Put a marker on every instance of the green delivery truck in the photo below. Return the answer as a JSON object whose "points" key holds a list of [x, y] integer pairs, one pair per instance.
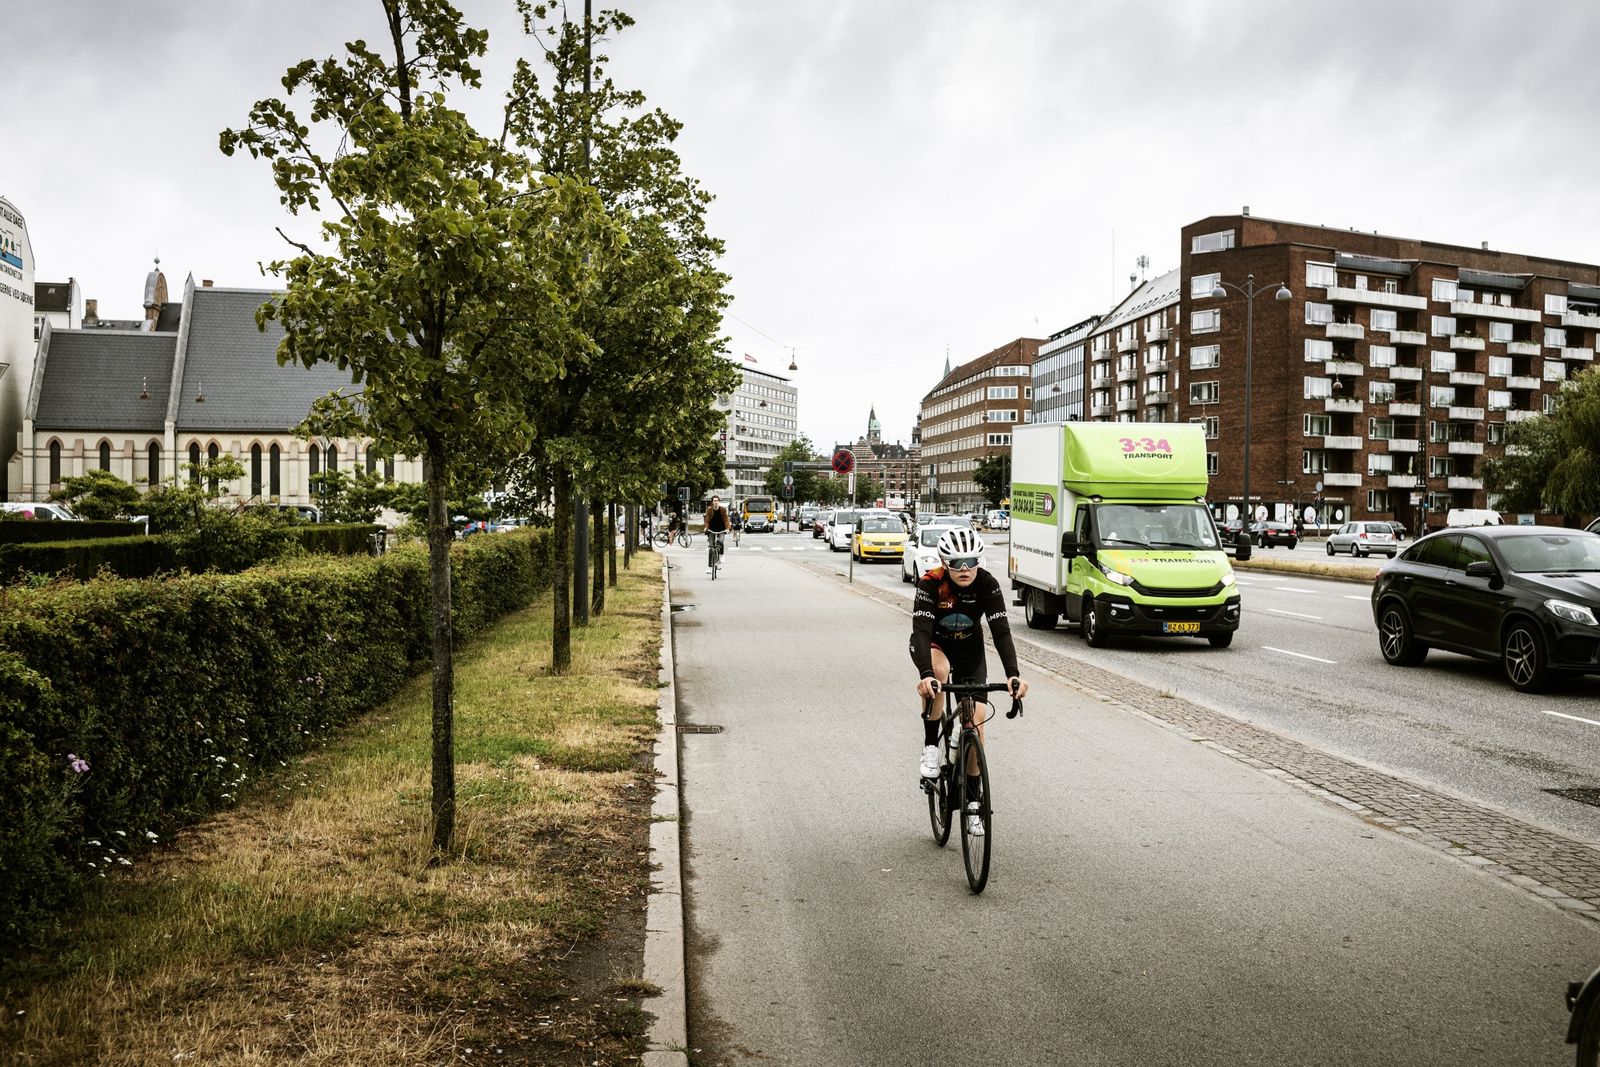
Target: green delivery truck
{"points": [[1110, 528]]}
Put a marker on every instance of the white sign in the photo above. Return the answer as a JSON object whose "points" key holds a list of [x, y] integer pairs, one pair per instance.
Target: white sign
{"points": [[1261, 512]]}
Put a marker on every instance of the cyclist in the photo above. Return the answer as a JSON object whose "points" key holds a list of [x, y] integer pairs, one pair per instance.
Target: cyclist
{"points": [[736, 521], [717, 526], [947, 642]]}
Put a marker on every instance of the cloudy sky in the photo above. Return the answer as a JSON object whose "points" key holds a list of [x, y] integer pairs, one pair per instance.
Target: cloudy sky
{"points": [[895, 179]]}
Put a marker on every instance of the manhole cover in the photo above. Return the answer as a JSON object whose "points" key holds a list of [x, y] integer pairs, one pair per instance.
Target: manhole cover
{"points": [[698, 728], [1589, 795], [683, 607]]}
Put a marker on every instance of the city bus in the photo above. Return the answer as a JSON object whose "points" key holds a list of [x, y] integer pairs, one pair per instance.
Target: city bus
{"points": [[759, 509]]}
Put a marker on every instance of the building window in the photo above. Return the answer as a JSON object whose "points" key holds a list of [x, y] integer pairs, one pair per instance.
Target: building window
{"points": [[1499, 399], [211, 456], [1555, 337], [1211, 463], [1204, 356], [1380, 392], [1380, 429], [1318, 314], [1441, 396], [333, 458], [1555, 304], [1439, 467], [1444, 289], [1002, 392], [1500, 366], [1318, 425], [1380, 355], [314, 455], [194, 462], [1500, 332], [255, 470], [153, 458], [1380, 464], [1318, 387], [1495, 433], [1318, 350], [1391, 285], [1213, 425], [1200, 285], [275, 472], [1212, 242], [105, 456], [1204, 392], [1444, 325], [1313, 461], [1441, 362], [1378, 501], [55, 462], [1321, 276], [1384, 319], [1550, 403], [1205, 321], [372, 461]]}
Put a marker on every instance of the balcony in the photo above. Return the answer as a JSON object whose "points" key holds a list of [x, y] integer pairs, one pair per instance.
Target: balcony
{"points": [[1127, 374], [1405, 374], [1159, 336], [1404, 444], [1456, 481], [1374, 298], [1580, 320], [1347, 478], [1101, 409], [1349, 331], [1128, 344], [1342, 403], [1522, 348], [1465, 448], [1415, 338], [1522, 381], [1466, 344], [1493, 311], [1158, 398], [1466, 377], [1128, 404], [1155, 366], [1405, 408], [1585, 355], [1401, 481], [1352, 444], [1468, 414], [1343, 368], [1520, 415]]}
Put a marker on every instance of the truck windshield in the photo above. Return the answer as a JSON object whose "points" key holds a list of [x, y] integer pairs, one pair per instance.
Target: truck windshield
{"points": [[1156, 526]]}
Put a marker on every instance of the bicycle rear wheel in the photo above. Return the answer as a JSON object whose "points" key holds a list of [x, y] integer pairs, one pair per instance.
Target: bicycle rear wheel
{"points": [[975, 848], [662, 538], [684, 539], [938, 790]]}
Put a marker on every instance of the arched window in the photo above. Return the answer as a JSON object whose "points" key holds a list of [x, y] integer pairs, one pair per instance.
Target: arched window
{"points": [[105, 455], [153, 473], [316, 459], [333, 458], [372, 462], [194, 462], [211, 456], [255, 470], [55, 462], [388, 469], [274, 473]]}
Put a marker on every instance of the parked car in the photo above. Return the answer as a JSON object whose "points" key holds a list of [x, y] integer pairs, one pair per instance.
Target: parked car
{"points": [[998, 519], [44, 511], [841, 526], [1594, 527], [878, 537], [807, 517], [1363, 539], [1528, 596], [1399, 529], [1472, 517], [819, 525], [757, 522], [1270, 533]]}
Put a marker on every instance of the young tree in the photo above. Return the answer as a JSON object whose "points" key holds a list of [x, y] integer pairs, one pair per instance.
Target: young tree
{"points": [[1574, 484], [98, 495], [805, 481], [449, 277], [993, 476], [1522, 474]]}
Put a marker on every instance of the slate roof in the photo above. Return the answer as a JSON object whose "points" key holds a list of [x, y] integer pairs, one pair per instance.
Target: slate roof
{"points": [[52, 296], [237, 367], [1149, 296], [92, 381]]}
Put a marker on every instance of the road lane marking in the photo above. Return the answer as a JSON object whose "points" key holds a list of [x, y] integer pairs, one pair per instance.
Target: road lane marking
{"points": [[1574, 718], [1301, 655], [1351, 596], [1296, 614], [1292, 589]]}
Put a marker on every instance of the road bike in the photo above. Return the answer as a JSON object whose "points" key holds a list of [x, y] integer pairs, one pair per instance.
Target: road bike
{"points": [[665, 537], [960, 749], [736, 531], [714, 550], [1583, 1001]]}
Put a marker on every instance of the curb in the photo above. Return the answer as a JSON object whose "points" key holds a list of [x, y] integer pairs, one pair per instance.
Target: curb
{"points": [[668, 1036]]}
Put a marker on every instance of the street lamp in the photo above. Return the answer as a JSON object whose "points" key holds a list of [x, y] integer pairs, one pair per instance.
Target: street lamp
{"points": [[1248, 291]]}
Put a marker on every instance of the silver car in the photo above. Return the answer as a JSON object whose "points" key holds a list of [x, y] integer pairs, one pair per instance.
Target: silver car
{"points": [[1363, 539]]}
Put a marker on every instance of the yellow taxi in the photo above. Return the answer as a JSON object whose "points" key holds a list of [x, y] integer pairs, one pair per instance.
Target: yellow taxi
{"points": [[878, 537]]}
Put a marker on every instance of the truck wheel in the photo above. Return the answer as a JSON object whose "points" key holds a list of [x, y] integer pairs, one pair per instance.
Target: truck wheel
{"points": [[1093, 632], [1036, 617], [1221, 640]]}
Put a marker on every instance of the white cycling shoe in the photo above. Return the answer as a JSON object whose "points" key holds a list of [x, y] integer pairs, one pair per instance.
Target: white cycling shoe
{"points": [[930, 762], [974, 820]]}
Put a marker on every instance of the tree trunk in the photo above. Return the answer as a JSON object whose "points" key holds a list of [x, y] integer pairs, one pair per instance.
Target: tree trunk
{"points": [[597, 598], [579, 523], [611, 543], [561, 574], [444, 764], [630, 532]]}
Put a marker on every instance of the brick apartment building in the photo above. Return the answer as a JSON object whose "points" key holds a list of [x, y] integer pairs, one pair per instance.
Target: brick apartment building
{"points": [[969, 415], [1131, 371]]}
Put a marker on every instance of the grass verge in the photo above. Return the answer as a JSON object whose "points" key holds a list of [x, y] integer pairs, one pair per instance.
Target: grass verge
{"points": [[307, 926]]}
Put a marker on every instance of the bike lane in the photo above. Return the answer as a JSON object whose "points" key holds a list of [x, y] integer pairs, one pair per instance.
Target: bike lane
{"points": [[1152, 900]]}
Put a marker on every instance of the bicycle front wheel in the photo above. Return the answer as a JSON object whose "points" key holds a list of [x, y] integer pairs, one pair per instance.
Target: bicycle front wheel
{"points": [[662, 538], [975, 847], [684, 539], [938, 790]]}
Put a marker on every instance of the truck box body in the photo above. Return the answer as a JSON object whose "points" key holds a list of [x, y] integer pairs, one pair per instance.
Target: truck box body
{"points": [[1109, 527]]}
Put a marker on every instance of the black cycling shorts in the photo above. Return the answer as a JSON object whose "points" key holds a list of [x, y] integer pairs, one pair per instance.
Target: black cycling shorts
{"points": [[968, 665]]}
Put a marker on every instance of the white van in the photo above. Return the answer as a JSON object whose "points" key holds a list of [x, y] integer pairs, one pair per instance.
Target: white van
{"points": [[1472, 517]]}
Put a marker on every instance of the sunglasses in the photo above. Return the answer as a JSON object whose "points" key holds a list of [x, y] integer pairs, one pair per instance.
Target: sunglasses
{"points": [[969, 563]]}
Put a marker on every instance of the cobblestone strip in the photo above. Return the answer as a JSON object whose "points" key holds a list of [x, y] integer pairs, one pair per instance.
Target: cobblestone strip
{"points": [[1557, 868]]}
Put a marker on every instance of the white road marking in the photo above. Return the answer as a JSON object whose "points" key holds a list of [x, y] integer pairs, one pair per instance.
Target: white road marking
{"points": [[1292, 589], [1352, 596], [1296, 614], [1574, 718], [1301, 655]]}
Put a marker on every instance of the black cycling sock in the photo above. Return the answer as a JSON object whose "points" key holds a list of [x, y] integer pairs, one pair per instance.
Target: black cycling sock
{"points": [[930, 731]]}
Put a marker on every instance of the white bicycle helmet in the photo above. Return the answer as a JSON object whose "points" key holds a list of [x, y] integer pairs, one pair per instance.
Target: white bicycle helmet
{"points": [[959, 543]]}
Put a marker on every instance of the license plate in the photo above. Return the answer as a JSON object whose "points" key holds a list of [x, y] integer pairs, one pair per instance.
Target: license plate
{"points": [[1180, 627]]}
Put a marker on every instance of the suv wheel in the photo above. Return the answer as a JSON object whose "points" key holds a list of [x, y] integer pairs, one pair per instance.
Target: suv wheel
{"points": [[1396, 639], [1523, 656]]}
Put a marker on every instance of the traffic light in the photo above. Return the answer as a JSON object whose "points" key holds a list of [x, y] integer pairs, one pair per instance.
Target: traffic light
{"points": [[788, 466]]}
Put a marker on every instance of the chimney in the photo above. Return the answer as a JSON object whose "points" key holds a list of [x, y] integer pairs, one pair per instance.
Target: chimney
{"points": [[1247, 211], [205, 284], [1486, 246], [91, 312]]}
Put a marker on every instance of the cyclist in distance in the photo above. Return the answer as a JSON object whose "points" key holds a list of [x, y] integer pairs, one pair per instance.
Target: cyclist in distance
{"points": [[717, 522], [947, 642]]}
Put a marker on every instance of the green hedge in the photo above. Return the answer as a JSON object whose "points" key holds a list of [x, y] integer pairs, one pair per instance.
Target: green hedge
{"points": [[353, 539], [126, 557], [231, 547], [19, 533], [179, 692]]}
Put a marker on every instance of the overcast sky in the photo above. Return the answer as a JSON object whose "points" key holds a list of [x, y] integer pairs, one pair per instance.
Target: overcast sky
{"points": [[895, 179]]}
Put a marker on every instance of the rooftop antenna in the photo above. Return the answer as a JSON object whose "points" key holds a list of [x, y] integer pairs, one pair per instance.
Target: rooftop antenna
{"points": [[1144, 265]]}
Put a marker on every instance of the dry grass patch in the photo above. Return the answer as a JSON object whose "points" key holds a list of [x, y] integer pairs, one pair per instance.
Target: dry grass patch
{"points": [[308, 925]]}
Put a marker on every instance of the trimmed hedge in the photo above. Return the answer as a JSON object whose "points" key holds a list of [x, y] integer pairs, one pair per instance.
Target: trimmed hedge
{"points": [[126, 557], [15, 532], [351, 539], [143, 557], [177, 693]]}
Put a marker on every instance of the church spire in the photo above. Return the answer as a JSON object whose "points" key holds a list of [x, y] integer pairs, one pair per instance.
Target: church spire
{"points": [[947, 361], [874, 431]]}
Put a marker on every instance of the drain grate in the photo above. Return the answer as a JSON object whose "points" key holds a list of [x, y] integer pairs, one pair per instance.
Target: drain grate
{"points": [[1589, 795], [698, 728]]}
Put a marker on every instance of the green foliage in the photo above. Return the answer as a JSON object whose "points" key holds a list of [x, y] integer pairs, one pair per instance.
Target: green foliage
{"points": [[1574, 485], [98, 495], [181, 506], [128, 557], [180, 693], [1521, 475], [358, 497], [993, 476], [32, 531], [805, 481]]}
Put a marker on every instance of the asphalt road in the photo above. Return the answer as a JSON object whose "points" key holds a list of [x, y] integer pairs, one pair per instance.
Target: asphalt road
{"points": [[1306, 664], [1152, 901]]}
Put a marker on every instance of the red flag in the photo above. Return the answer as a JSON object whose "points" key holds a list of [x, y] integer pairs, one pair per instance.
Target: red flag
{"points": [[748, 358]]}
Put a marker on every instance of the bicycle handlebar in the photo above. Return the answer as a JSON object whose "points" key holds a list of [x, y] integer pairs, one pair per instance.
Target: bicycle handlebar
{"points": [[977, 689]]}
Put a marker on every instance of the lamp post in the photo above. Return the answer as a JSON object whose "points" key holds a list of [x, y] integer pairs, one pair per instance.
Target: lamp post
{"points": [[1248, 291]]}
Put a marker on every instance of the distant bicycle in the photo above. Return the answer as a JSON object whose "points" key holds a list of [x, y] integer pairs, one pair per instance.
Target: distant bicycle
{"points": [[960, 750], [665, 537], [714, 550]]}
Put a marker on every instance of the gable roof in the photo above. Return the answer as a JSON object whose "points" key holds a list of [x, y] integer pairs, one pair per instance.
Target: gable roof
{"points": [[92, 380]]}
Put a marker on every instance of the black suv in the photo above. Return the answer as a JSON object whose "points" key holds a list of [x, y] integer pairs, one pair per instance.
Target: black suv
{"points": [[1267, 534], [1528, 596]]}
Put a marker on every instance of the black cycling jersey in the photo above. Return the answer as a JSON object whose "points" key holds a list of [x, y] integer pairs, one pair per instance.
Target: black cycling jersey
{"points": [[951, 617]]}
